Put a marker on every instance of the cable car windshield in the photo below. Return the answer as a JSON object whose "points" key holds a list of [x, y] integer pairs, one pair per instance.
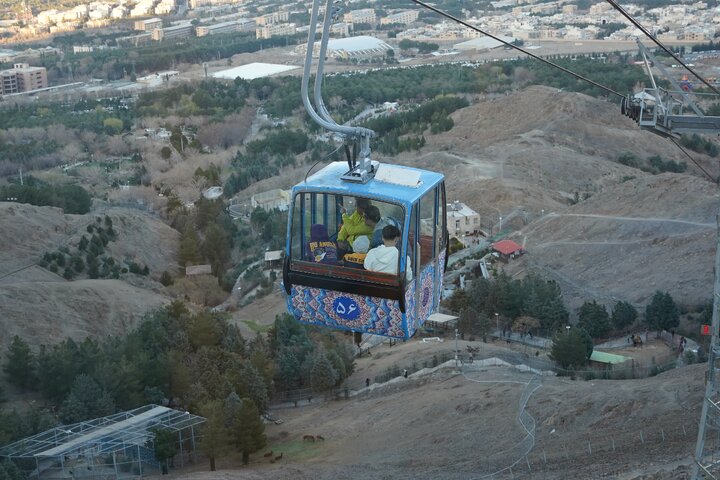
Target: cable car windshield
{"points": [[348, 235]]}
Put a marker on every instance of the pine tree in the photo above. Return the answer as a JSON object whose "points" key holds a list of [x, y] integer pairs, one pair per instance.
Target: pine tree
{"points": [[163, 445], [594, 319], [248, 431], [215, 442], [623, 315], [20, 366], [85, 401], [12, 470], [189, 248], [255, 387], [662, 312], [322, 375]]}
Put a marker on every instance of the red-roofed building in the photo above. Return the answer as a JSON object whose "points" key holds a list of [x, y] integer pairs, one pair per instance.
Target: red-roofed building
{"points": [[508, 248]]}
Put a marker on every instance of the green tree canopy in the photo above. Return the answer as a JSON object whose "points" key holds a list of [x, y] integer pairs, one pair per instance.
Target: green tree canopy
{"points": [[164, 446], [572, 349], [20, 365], [662, 312], [215, 442], [189, 248], [248, 431], [85, 401], [623, 315], [594, 319]]}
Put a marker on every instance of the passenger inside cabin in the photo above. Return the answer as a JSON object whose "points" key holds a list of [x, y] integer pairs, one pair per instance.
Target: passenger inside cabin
{"points": [[374, 220], [353, 225], [321, 249], [356, 258], [385, 257]]}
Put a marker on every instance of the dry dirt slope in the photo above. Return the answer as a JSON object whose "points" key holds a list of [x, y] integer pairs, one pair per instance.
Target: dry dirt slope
{"points": [[529, 153], [449, 426], [42, 307]]}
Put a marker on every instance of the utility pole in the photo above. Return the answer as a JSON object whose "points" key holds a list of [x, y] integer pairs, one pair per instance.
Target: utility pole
{"points": [[456, 348], [705, 461]]}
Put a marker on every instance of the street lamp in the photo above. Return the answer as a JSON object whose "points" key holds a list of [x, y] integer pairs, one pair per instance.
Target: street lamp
{"points": [[567, 327], [456, 348], [497, 322], [500, 229]]}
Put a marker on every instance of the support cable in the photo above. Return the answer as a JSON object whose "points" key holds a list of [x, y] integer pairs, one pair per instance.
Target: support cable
{"points": [[707, 174], [526, 52], [657, 42]]}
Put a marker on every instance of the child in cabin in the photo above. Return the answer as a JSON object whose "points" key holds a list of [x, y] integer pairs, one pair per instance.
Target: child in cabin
{"points": [[385, 257], [353, 225], [374, 220], [356, 258], [321, 249]]}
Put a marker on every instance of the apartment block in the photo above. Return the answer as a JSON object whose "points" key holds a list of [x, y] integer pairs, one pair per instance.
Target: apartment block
{"points": [[148, 25], [275, 30], [23, 78], [365, 15], [178, 31], [405, 17], [224, 27], [272, 18]]}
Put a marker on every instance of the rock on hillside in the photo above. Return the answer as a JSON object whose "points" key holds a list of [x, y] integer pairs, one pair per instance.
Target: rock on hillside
{"points": [[49, 312]]}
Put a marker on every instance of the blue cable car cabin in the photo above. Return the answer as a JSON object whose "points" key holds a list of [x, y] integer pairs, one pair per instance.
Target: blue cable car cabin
{"points": [[325, 278]]}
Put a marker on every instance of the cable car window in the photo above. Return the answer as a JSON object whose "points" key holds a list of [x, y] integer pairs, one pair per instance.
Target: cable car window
{"points": [[339, 231], [427, 228], [412, 241]]}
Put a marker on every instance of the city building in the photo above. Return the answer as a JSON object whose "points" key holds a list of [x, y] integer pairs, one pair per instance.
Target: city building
{"points": [[404, 17], [275, 30], [341, 29], [23, 78], [271, 200], [178, 31], [272, 18], [360, 47], [224, 27], [165, 7], [461, 219], [202, 3], [365, 15], [148, 24]]}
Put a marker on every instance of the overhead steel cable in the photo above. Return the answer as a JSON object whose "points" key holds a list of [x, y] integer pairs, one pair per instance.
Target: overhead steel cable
{"points": [[657, 42], [529, 54], [710, 177], [578, 76]]}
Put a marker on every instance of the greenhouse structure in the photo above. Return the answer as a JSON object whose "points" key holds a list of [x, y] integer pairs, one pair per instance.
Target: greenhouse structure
{"points": [[114, 447]]}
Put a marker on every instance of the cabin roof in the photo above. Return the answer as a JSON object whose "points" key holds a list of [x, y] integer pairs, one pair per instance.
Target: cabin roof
{"points": [[328, 180]]}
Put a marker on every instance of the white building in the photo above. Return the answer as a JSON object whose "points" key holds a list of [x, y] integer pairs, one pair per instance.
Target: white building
{"points": [[177, 31], [404, 17], [365, 15], [363, 46], [461, 219], [271, 200], [148, 24], [272, 18], [275, 30]]}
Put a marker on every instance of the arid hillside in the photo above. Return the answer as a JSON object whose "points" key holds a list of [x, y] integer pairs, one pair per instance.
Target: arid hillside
{"points": [[449, 425], [546, 161], [42, 307]]}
